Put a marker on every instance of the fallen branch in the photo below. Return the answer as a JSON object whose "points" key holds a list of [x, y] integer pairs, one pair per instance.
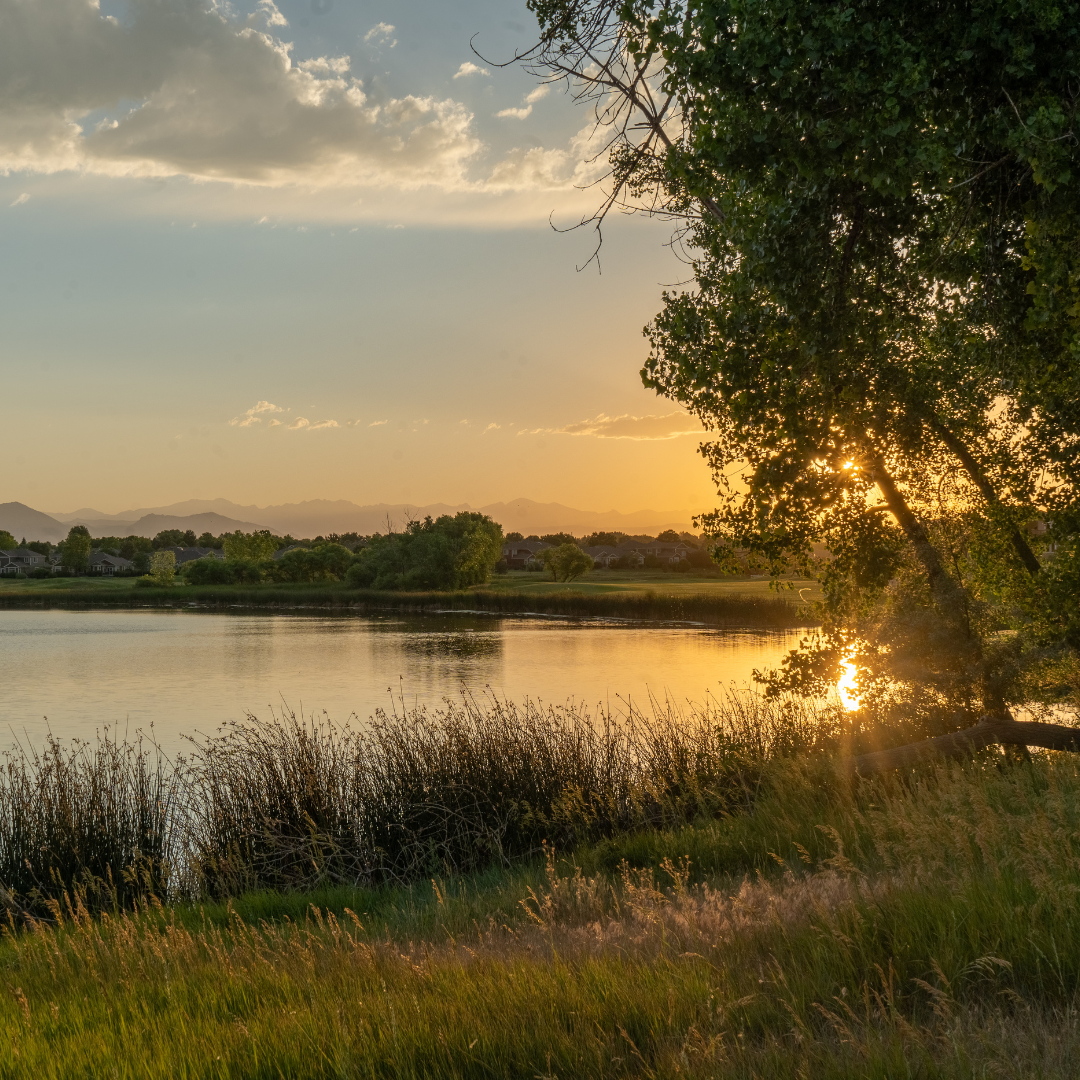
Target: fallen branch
{"points": [[961, 744]]}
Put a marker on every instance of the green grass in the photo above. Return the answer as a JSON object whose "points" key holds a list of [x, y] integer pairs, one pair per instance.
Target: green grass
{"points": [[600, 594], [895, 930]]}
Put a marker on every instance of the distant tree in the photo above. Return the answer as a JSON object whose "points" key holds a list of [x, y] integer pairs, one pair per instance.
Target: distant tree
{"points": [[699, 558], [322, 562], [557, 539], [256, 546], [208, 540], [7, 541], [110, 545], [511, 536], [170, 538], [444, 553], [163, 567], [669, 536], [131, 546], [140, 561], [603, 539], [566, 562], [42, 547], [75, 550]]}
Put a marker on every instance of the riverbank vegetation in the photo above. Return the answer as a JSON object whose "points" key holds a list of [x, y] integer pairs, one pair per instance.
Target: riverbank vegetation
{"points": [[499, 890], [612, 594]]}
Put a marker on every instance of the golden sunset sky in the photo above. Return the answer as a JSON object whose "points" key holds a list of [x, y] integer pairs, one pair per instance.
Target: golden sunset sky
{"points": [[275, 252]]}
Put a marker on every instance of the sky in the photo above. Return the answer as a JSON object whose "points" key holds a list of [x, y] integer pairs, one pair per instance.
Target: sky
{"points": [[274, 252]]}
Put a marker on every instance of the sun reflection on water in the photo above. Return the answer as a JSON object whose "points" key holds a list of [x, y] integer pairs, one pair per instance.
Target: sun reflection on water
{"points": [[849, 697]]}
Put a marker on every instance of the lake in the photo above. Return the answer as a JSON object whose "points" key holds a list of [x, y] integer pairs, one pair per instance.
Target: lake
{"points": [[76, 671]]}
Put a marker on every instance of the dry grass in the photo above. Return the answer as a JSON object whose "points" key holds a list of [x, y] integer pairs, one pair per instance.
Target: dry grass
{"points": [[932, 933]]}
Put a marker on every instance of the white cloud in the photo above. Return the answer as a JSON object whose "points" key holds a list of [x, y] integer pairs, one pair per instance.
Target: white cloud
{"points": [[324, 424], [381, 34], [274, 423], [254, 414], [299, 423], [23, 198], [217, 97], [641, 428], [469, 68], [378, 423], [530, 99], [268, 9]]}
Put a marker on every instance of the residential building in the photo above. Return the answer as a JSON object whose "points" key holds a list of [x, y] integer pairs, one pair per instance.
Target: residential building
{"points": [[108, 565], [20, 561], [519, 553]]}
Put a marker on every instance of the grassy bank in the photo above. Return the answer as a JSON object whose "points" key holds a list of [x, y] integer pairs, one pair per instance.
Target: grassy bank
{"points": [[700, 896], [716, 602], [893, 931]]}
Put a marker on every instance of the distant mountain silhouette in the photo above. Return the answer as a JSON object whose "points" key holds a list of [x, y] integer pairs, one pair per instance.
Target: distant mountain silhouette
{"points": [[23, 522], [319, 517]]}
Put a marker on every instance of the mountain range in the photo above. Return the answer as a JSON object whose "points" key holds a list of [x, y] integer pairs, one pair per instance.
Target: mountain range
{"points": [[317, 517]]}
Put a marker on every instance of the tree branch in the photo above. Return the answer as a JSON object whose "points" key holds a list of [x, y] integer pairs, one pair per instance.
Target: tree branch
{"points": [[964, 744], [982, 482]]}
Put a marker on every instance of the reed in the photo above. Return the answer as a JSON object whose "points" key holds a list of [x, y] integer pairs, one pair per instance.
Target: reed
{"points": [[294, 803], [101, 819]]}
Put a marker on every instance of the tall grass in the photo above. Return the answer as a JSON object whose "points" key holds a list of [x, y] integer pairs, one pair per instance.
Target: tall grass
{"points": [[102, 818], [933, 933], [290, 803]]}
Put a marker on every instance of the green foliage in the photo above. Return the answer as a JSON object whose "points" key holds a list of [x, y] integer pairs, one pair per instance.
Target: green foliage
{"points": [[223, 572], [75, 550], [7, 541], [174, 538], [163, 568], [256, 546], [882, 336], [558, 539], [603, 539], [323, 562], [566, 562], [445, 553], [42, 547]]}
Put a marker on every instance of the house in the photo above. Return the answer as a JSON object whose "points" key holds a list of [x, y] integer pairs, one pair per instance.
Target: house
{"points": [[190, 554], [519, 553], [636, 551], [601, 554], [108, 565], [20, 561]]}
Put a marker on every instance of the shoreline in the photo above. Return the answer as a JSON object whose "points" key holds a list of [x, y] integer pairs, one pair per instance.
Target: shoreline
{"points": [[733, 610]]}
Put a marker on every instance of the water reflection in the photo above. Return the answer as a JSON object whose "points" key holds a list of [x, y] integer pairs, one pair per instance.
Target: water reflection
{"points": [[184, 671]]}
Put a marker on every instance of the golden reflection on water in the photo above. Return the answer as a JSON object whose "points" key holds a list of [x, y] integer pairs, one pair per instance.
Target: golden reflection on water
{"points": [[846, 687]]}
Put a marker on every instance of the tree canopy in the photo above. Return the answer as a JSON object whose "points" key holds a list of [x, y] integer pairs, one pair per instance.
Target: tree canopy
{"points": [[448, 552], [881, 208]]}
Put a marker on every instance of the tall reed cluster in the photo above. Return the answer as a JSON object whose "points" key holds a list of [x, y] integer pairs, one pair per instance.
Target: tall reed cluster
{"points": [[289, 802]]}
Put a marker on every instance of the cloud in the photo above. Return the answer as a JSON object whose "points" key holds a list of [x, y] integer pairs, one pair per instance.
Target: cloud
{"points": [[268, 9], [378, 423], [380, 34], [324, 424], [254, 414], [23, 198], [644, 428], [299, 423], [189, 89], [530, 99], [274, 423], [469, 68], [491, 427]]}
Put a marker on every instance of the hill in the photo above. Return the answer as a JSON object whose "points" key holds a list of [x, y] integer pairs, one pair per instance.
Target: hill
{"points": [[322, 516], [23, 521]]}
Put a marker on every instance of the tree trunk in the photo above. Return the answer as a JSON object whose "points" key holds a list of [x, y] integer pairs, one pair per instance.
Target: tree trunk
{"points": [[982, 482], [963, 744]]}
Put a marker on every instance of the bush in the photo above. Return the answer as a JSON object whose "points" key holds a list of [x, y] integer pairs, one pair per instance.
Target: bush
{"points": [[41, 572], [652, 562], [323, 562], [223, 572]]}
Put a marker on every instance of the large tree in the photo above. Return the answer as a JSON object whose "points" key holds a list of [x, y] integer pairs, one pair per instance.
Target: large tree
{"points": [[881, 203]]}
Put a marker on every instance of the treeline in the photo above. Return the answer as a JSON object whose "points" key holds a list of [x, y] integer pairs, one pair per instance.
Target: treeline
{"points": [[448, 552]]}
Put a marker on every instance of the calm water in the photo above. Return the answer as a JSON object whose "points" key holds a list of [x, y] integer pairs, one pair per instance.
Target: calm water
{"points": [[191, 671]]}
